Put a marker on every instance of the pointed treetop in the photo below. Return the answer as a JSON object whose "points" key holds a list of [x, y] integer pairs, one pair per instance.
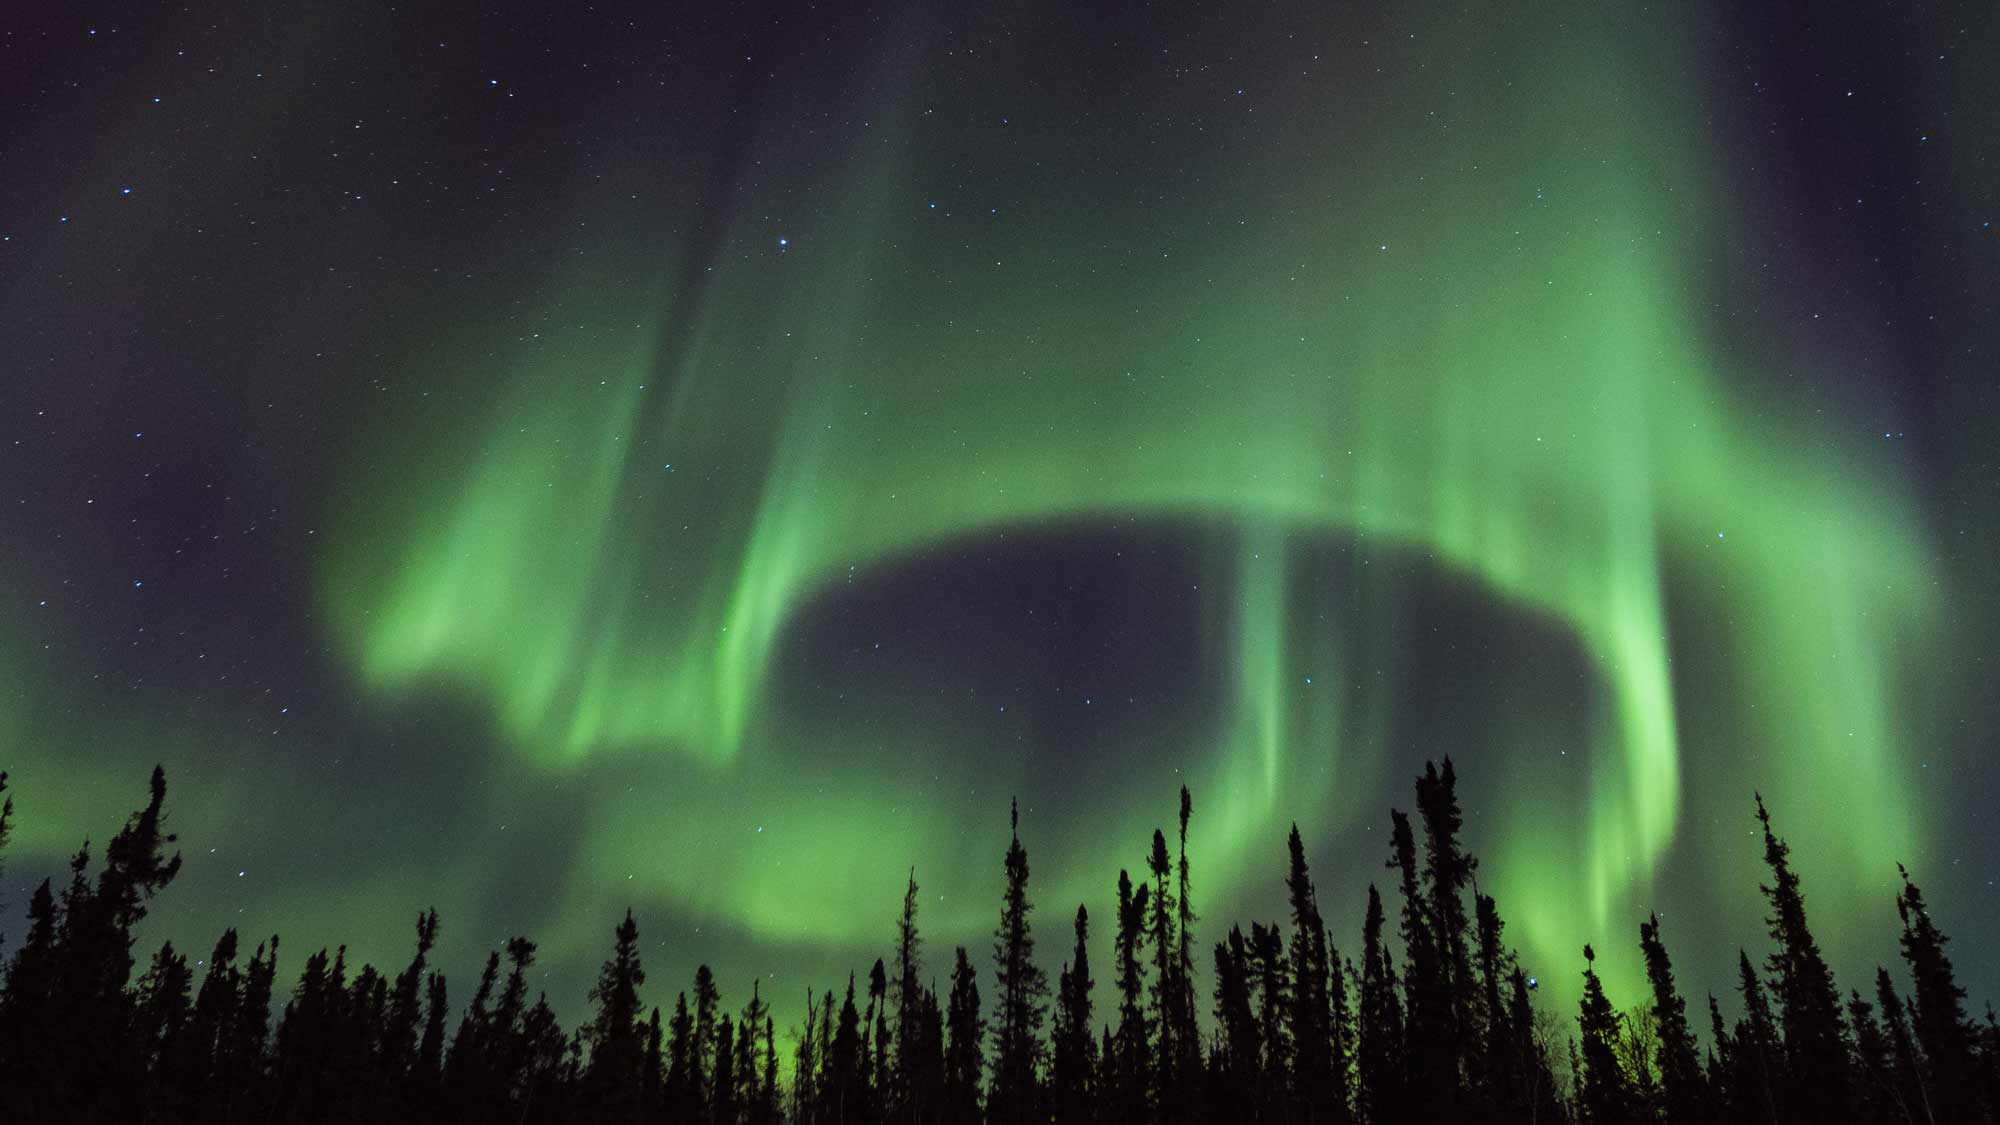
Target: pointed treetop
{"points": [[1589, 954], [1014, 816]]}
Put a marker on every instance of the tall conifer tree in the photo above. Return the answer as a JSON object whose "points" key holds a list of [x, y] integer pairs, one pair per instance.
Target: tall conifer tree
{"points": [[965, 1032], [1072, 1074], [1603, 1097], [1021, 990], [1937, 1016], [617, 1039], [1808, 1006], [1680, 1069]]}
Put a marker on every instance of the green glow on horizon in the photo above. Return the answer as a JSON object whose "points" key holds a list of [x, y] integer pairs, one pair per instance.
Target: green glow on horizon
{"points": [[1520, 394]]}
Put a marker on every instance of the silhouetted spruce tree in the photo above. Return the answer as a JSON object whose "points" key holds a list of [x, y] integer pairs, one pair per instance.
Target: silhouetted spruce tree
{"points": [[309, 1050], [929, 1073], [1130, 1061], [427, 1074], [1912, 1083], [1187, 1025], [965, 1051], [522, 1049], [845, 1095], [751, 1095], [1318, 1090], [875, 1038], [1573, 1108], [616, 1037], [467, 1067], [1270, 982], [1876, 1098], [747, 1062], [136, 868], [825, 1053], [1448, 871], [653, 1070], [1430, 1080], [1757, 1073], [1233, 1061], [1383, 1095], [1497, 1080], [722, 1109], [1538, 1100], [1721, 1063], [806, 1058], [161, 1012], [1937, 1015], [1073, 1062], [682, 1089], [360, 1032], [1603, 1095], [1167, 1103], [69, 1050], [701, 1046], [767, 1110], [905, 1099], [549, 1068], [1808, 1005], [180, 1063], [1021, 989], [22, 1002], [1680, 1068], [1340, 1031], [399, 1035], [249, 1034]]}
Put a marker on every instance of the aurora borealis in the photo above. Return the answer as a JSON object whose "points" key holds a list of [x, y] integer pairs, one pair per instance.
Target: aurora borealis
{"points": [[536, 463]]}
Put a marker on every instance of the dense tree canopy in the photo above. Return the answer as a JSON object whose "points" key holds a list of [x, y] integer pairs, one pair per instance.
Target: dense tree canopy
{"points": [[1442, 1028]]}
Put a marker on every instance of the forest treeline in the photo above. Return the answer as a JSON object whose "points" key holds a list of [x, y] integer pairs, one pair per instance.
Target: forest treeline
{"points": [[1429, 1017]]}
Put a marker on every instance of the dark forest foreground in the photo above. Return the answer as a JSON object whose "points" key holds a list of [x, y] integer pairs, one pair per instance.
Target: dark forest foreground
{"points": [[1433, 1023]]}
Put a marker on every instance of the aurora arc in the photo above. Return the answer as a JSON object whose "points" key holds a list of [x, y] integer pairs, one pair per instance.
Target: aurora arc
{"points": [[1420, 357]]}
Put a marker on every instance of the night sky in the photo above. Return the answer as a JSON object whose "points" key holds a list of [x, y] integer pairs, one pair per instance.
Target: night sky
{"points": [[534, 460]]}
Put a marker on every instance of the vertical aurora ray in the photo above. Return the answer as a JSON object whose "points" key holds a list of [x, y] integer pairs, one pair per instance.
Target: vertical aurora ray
{"points": [[1398, 342]]}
